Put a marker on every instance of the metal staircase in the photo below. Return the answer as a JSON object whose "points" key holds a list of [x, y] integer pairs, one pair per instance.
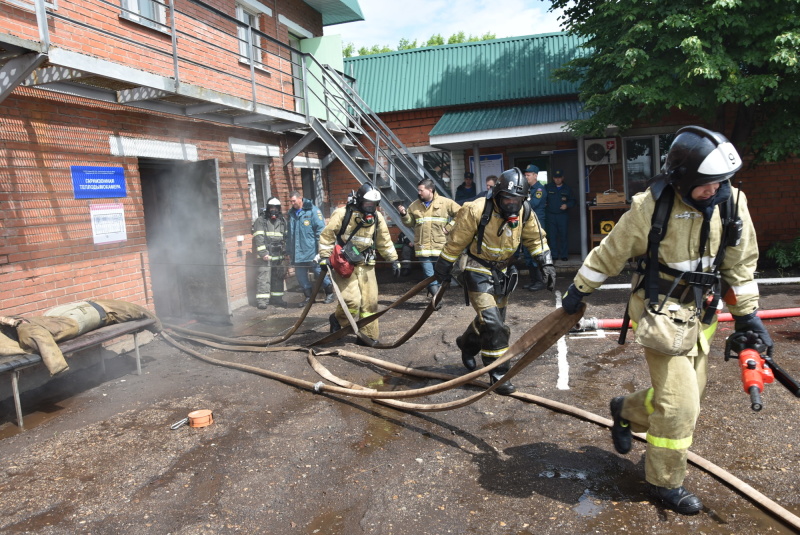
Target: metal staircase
{"points": [[359, 139]]}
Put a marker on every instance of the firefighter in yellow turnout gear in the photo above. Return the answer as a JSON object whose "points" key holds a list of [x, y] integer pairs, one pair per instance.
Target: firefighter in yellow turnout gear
{"points": [[490, 230], [675, 295], [359, 227], [269, 237], [432, 218]]}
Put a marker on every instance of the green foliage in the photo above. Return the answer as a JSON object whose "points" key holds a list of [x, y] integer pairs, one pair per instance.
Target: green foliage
{"points": [[348, 50], [786, 255], [643, 58]]}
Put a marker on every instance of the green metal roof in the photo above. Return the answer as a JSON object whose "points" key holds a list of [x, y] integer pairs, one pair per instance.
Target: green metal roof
{"points": [[454, 122], [513, 68], [337, 11]]}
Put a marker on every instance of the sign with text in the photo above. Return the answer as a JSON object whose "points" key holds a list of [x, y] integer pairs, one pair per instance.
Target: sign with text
{"points": [[108, 223], [491, 164], [98, 182]]}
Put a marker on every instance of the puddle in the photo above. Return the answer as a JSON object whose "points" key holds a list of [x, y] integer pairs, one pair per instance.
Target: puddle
{"points": [[42, 413], [586, 505], [328, 523]]}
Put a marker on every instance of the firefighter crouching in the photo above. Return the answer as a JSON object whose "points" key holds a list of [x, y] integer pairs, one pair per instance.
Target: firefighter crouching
{"points": [[359, 229], [269, 236], [706, 233], [490, 229]]}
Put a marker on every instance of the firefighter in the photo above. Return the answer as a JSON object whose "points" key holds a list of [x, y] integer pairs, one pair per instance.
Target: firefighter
{"points": [[361, 229], [490, 230], [432, 217], [269, 236], [709, 234]]}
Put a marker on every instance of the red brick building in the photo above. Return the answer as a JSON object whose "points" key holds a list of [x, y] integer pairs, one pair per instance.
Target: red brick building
{"points": [[137, 144]]}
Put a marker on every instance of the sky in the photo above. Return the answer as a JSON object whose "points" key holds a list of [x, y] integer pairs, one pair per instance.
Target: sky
{"points": [[388, 21]]}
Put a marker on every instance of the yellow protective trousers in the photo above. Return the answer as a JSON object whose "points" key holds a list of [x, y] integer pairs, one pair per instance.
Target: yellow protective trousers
{"points": [[668, 412], [360, 292]]}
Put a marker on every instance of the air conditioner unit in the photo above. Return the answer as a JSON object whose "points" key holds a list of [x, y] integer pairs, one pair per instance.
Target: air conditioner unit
{"points": [[600, 151]]}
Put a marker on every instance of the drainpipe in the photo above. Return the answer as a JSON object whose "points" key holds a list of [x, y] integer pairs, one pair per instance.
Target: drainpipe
{"points": [[582, 197]]}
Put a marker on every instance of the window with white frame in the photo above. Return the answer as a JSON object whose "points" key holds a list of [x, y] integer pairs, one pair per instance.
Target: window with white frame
{"points": [[644, 156], [251, 18], [258, 182], [150, 13]]}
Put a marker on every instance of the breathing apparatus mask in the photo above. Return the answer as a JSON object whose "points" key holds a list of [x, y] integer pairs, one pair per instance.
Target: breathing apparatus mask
{"points": [[509, 206], [367, 199], [509, 193], [273, 209]]}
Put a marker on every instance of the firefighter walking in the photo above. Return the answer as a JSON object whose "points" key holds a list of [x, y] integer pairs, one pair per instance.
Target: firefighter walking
{"points": [[360, 230], [694, 229], [490, 230]]}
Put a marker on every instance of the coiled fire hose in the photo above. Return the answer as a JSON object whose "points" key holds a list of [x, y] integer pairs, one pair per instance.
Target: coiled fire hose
{"points": [[552, 327]]}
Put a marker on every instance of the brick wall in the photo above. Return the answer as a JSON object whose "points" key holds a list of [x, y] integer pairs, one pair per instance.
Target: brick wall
{"points": [[47, 254]]}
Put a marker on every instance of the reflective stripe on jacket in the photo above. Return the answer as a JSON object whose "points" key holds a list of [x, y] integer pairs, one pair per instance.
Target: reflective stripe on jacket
{"points": [[431, 224], [494, 248], [362, 239], [679, 249]]}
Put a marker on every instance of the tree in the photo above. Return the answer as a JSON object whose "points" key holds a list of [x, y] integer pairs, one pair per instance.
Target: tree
{"points": [[348, 50], [715, 59]]}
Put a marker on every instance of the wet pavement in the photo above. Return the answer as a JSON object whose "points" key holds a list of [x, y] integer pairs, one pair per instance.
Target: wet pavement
{"points": [[99, 455]]}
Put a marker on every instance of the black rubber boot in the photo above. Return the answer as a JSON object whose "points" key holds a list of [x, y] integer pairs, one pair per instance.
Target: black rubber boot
{"points": [[679, 500], [367, 341], [538, 283], [305, 301], [495, 375], [621, 430], [532, 279], [330, 295], [470, 345], [467, 356], [334, 323], [262, 305], [277, 302]]}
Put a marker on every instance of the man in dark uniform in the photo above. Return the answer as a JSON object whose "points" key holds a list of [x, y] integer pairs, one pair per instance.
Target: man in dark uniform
{"points": [[269, 237], [536, 199], [466, 191], [559, 200]]}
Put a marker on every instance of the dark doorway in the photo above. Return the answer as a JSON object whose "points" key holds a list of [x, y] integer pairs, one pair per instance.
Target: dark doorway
{"points": [[184, 239], [567, 162]]}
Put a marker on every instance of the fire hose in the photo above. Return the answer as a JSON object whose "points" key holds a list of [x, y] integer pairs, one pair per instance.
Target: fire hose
{"points": [[534, 342], [593, 324]]}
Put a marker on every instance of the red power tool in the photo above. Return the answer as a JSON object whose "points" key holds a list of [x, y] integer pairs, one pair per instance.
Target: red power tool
{"points": [[758, 367]]}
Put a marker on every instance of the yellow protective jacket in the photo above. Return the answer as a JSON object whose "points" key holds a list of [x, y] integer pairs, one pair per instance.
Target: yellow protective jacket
{"points": [[363, 239], [679, 249], [269, 236], [431, 224], [494, 248]]}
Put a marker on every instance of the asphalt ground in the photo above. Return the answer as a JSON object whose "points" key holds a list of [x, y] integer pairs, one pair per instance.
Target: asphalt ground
{"points": [[99, 455]]}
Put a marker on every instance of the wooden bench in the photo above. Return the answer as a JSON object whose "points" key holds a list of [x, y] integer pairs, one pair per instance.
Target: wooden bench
{"points": [[16, 363]]}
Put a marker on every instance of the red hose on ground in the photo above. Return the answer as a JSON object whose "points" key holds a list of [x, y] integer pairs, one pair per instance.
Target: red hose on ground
{"points": [[763, 314]]}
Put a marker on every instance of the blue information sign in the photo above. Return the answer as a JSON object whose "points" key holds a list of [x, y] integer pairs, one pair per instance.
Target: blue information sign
{"points": [[98, 182]]}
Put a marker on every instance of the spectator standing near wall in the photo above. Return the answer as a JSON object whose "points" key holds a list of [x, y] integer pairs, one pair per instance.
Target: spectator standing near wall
{"points": [[467, 190], [559, 200], [305, 226]]}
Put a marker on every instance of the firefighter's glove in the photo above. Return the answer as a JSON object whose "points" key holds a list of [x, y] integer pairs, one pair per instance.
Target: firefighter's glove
{"points": [[317, 259], [752, 323], [396, 268], [442, 269], [571, 301], [545, 261]]}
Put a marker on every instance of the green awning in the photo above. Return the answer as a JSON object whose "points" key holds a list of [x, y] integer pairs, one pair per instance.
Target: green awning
{"points": [[474, 120], [337, 11]]}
